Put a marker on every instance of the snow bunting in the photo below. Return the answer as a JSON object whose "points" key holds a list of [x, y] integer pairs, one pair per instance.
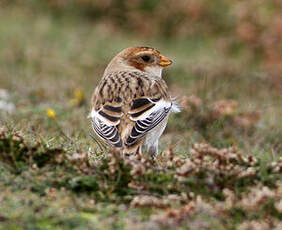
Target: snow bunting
{"points": [[131, 104]]}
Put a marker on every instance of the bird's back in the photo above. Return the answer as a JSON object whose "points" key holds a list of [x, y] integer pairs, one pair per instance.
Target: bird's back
{"points": [[121, 95]]}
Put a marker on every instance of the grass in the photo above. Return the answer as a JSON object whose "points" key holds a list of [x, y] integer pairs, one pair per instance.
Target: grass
{"points": [[47, 180]]}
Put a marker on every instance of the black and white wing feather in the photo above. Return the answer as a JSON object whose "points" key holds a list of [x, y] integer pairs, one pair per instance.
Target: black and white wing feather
{"points": [[104, 123], [147, 114]]}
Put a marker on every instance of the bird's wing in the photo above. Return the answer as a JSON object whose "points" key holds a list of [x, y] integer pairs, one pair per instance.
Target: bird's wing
{"points": [[142, 98], [147, 114], [104, 123]]}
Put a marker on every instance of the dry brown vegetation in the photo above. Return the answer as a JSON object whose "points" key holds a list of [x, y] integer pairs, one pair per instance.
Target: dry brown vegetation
{"points": [[220, 162]]}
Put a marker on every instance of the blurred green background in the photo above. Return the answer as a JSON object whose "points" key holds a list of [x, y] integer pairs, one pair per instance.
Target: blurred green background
{"points": [[226, 75], [227, 56]]}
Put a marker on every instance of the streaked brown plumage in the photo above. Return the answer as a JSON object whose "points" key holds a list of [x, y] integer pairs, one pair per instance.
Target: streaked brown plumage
{"points": [[132, 100]]}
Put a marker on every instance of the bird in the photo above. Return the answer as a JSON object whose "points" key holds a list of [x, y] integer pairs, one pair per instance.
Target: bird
{"points": [[131, 104]]}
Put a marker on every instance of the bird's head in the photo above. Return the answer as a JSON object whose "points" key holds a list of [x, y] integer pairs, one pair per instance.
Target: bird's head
{"points": [[145, 59]]}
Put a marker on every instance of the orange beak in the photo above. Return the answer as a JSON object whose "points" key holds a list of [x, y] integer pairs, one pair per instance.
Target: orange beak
{"points": [[164, 61]]}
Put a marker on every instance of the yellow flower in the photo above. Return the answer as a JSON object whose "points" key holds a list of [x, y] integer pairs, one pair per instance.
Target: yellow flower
{"points": [[79, 98], [79, 94], [51, 113]]}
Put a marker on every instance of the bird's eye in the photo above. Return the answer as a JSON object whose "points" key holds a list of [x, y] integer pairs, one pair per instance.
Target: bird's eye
{"points": [[146, 58]]}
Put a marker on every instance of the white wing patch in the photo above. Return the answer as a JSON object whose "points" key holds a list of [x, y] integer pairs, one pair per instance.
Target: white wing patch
{"points": [[104, 126], [154, 107], [153, 113], [96, 114]]}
